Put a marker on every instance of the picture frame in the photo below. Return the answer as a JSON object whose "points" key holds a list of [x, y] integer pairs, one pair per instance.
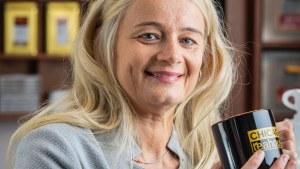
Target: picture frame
{"points": [[62, 27], [280, 71], [20, 28], [281, 21]]}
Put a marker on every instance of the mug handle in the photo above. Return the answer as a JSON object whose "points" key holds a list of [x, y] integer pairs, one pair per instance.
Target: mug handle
{"points": [[285, 99]]}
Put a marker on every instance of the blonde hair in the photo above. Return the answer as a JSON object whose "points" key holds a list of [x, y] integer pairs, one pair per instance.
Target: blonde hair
{"points": [[96, 100]]}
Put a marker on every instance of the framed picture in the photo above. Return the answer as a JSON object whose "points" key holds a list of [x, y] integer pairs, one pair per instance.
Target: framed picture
{"points": [[20, 30], [62, 27], [281, 20], [280, 71]]}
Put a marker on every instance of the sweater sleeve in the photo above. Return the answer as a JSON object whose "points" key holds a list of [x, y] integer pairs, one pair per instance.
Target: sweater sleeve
{"points": [[46, 148]]}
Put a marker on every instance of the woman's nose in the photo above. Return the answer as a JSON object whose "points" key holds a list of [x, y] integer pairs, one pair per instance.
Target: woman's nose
{"points": [[170, 52]]}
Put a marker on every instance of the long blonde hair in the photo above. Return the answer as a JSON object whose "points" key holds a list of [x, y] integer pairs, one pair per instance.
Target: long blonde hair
{"points": [[97, 101]]}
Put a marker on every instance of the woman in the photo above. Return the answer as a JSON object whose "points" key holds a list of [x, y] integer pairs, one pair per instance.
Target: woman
{"points": [[149, 80]]}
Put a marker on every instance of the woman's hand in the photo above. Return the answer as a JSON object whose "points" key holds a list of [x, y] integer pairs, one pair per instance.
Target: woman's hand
{"points": [[289, 157], [287, 139], [218, 165]]}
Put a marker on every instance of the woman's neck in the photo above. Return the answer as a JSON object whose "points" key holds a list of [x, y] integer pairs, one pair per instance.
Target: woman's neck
{"points": [[154, 133]]}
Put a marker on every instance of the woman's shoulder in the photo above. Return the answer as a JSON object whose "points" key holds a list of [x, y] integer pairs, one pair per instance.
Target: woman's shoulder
{"points": [[59, 136], [57, 132], [63, 129], [58, 144]]}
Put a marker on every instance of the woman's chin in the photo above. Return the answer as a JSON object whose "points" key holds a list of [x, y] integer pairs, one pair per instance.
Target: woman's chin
{"points": [[166, 101]]}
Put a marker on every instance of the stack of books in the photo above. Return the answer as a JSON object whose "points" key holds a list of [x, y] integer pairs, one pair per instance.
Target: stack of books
{"points": [[19, 93]]}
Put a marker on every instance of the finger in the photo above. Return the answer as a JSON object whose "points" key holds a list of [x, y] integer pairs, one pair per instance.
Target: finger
{"points": [[284, 125], [286, 134], [218, 165], [292, 164], [292, 154], [281, 162], [288, 145], [255, 160]]}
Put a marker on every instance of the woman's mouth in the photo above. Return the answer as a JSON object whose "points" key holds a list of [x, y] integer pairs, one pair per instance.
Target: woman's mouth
{"points": [[165, 76]]}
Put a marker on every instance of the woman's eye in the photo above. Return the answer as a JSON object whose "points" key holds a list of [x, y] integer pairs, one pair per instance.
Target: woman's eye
{"points": [[149, 36], [188, 42]]}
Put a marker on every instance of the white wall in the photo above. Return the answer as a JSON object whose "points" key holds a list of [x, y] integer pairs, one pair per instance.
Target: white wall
{"points": [[6, 130]]}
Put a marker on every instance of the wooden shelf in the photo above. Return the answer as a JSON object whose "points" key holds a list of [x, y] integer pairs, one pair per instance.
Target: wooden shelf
{"points": [[41, 57], [11, 116], [281, 45], [4, 57], [46, 57]]}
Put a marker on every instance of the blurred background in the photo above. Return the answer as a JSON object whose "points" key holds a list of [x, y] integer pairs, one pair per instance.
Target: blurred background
{"points": [[36, 41]]}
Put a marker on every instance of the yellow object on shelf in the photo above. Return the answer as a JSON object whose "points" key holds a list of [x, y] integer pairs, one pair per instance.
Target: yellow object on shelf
{"points": [[292, 69], [62, 27], [20, 30]]}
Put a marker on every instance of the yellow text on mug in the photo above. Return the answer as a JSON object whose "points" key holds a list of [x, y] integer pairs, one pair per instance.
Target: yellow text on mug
{"points": [[264, 139]]}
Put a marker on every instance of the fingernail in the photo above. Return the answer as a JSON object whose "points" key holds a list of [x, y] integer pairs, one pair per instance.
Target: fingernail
{"points": [[260, 154], [285, 158]]}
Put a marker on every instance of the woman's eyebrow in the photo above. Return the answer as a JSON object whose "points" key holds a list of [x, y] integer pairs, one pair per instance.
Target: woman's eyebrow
{"points": [[157, 24], [190, 29], [150, 23]]}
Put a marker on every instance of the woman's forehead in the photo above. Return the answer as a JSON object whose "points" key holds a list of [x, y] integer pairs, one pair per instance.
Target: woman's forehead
{"points": [[183, 12]]}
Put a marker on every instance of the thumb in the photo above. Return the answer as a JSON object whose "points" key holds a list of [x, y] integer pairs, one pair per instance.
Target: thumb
{"points": [[255, 160]]}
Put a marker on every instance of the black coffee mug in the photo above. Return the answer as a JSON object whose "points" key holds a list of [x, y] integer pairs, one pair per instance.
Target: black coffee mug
{"points": [[238, 138]]}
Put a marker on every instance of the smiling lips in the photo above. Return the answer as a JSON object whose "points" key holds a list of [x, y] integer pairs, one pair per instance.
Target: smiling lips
{"points": [[163, 76]]}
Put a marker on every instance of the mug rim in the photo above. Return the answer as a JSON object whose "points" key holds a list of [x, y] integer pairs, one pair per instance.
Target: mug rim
{"points": [[241, 114]]}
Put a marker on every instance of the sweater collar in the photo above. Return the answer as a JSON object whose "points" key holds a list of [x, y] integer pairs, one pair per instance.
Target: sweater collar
{"points": [[173, 145]]}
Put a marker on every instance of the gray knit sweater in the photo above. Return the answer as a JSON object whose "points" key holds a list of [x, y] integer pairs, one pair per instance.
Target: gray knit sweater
{"points": [[62, 146]]}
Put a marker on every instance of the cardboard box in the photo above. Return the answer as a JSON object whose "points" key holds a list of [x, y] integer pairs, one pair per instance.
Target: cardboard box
{"points": [[62, 27], [20, 30]]}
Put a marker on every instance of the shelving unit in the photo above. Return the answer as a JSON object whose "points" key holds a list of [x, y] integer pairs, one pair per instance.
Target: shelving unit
{"points": [[259, 47], [54, 70]]}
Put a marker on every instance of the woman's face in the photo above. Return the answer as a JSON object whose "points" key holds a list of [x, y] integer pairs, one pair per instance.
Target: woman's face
{"points": [[160, 45]]}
